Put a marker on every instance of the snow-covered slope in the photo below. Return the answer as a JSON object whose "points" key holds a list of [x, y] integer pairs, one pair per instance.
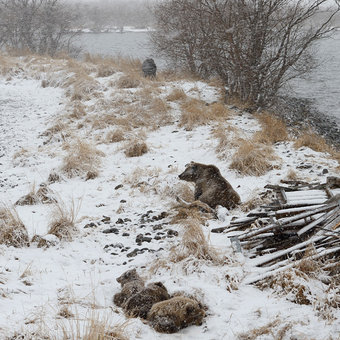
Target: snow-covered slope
{"points": [[126, 199]]}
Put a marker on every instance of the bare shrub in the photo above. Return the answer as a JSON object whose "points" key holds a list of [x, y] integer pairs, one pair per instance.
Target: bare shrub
{"points": [[252, 159], [81, 158], [176, 95], [136, 149], [273, 130], [313, 141], [258, 46], [194, 244], [12, 230], [63, 218]]}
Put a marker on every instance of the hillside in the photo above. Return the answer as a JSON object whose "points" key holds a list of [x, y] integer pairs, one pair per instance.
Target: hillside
{"points": [[107, 146]]}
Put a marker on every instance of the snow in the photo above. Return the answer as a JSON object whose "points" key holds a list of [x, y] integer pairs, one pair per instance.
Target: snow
{"points": [[35, 283]]}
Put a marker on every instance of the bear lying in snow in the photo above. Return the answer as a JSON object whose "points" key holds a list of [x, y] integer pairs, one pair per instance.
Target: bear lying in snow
{"points": [[131, 284], [135, 298], [210, 187], [152, 302], [139, 304], [174, 314]]}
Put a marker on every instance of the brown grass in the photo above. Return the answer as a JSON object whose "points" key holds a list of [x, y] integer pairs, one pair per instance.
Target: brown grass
{"points": [[253, 159], [176, 95], [292, 175], [82, 158], [194, 113], [63, 219], [12, 230], [115, 136], [228, 138], [257, 332], [93, 327], [136, 149], [194, 244], [128, 82], [313, 141], [273, 130]]}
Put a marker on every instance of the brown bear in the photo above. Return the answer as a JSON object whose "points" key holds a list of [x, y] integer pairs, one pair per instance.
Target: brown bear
{"points": [[210, 187], [174, 314], [139, 304], [131, 284]]}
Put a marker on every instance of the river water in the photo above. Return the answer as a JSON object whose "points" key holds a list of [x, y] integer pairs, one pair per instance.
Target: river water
{"points": [[322, 86]]}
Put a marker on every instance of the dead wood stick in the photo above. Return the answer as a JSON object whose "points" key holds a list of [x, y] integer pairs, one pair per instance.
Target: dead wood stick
{"points": [[270, 272], [286, 221], [265, 258], [319, 220]]}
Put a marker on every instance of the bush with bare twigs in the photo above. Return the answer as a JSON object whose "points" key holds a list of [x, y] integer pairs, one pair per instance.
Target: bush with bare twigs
{"points": [[252, 159], [12, 230]]}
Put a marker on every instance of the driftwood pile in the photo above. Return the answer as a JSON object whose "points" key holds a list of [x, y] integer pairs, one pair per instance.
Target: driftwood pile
{"points": [[301, 216]]}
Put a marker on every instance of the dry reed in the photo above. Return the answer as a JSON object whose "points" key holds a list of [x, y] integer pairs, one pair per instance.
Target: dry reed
{"points": [[252, 159]]}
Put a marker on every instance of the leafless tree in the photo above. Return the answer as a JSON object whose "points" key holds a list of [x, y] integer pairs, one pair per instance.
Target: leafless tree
{"points": [[255, 46], [40, 26]]}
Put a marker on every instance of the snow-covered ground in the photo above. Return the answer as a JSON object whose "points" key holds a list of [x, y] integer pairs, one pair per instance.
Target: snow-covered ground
{"points": [[129, 194]]}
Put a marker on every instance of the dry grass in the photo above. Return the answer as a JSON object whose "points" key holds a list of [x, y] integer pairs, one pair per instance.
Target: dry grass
{"points": [[63, 218], [292, 175], [82, 158], [270, 329], [128, 82], [43, 195], [228, 138], [196, 112], [136, 148], [313, 141], [12, 230], [273, 130], [194, 244], [94, 327], [115, 136], [176, 95], [253, 159]]}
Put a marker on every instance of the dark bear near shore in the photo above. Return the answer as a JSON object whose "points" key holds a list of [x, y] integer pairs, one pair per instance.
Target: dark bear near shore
{"points": [[174, 314], [210, 187], [149, 68]]}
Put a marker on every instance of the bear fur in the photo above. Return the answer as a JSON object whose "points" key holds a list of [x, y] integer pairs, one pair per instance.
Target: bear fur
{"points": [[139, 304], [174, 314], [131, 284], [210, 187]]}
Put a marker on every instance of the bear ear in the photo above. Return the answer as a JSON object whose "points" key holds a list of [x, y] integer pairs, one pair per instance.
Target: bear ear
{"points": [[189, 164]]}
